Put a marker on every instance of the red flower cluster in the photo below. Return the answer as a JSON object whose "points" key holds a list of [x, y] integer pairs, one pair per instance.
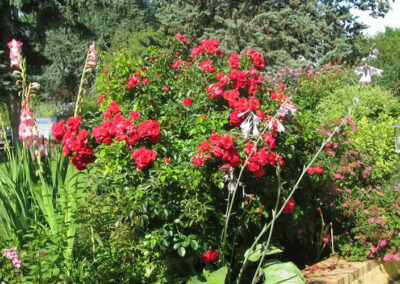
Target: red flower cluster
{"points": [[317, 169], [221, 147], [112, 110], [121, 129], [118, 128], [210, 256], [234, 60], [256, 57], [181, 37], [209, 46], [135, 80], [75, 142], [261, 158], [150, 129], [143, 157], [206, 66], [187, 101], [180, 64]]}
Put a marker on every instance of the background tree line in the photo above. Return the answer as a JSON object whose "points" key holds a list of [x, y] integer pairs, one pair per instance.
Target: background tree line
{"points": [[56, 33]]}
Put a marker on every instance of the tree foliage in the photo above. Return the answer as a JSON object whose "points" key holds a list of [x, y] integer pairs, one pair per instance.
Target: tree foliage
{"points": [[389, 49], [284, 30]]}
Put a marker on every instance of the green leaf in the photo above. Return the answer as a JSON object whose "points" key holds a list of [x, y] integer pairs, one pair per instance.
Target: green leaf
{"points": [[259, 251], [182, 251], [197, 280], [254, 255], [194, 244], [277, 272], [216, 277], [273, 250]]}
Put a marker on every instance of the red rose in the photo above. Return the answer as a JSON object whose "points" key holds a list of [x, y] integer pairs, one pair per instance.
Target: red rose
{"points": [[318, 169], [187, 102], [181, 37], [150, 129], [133, 81], [210, 256], [58, 130], [166, 89], [198, 161], [166, 160], [143, 157], [310, 171], [206, 66], [100, 99], [289, 206]]}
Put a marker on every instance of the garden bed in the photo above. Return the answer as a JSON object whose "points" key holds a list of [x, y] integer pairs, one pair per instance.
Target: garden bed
{"points": [[334, 271]]}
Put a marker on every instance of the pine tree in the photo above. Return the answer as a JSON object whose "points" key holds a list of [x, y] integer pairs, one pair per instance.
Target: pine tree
{"points": [[284, 30]]}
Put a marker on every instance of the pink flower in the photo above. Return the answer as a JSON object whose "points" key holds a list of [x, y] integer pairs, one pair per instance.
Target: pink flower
{"points": [[92, 56], [339, 176], [358, 202], [326, 239], [12, 255], [187, 102], [27, 130], [15, 53], [371, 220], [366, 212], [166, 89], [382, 244], [388, 257], [166, 160], [380, 221], [373, 249]]}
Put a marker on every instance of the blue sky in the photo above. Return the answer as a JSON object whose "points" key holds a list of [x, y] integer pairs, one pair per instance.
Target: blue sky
{"points": [[392, 19]]}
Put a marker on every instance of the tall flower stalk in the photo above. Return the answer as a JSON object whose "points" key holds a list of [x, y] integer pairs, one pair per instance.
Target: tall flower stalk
{"points": [[90, 63]]}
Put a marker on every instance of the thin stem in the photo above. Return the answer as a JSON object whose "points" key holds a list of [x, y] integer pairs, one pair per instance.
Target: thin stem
{"points": [[255, 277], [81, 90]]}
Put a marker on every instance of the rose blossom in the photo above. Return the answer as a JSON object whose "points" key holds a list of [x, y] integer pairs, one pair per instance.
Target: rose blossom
{"points": [[210, 256]]}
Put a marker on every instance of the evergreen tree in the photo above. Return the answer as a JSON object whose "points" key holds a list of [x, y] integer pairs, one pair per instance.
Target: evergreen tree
{"points": [[56, 35], [319, 30]]}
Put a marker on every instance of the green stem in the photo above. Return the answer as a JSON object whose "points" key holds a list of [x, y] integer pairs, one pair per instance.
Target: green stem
{"points": [[79, 98]]}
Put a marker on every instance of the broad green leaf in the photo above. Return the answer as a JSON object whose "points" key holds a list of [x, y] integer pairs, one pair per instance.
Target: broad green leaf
{"points": [[181, 251], [194, 244], [216, 277], [277, 272], [254, 255], [197, 280], [273, 250]]}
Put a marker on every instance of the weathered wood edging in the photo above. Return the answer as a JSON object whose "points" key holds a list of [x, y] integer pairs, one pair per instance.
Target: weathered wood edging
{"points": [[334, 271]]}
